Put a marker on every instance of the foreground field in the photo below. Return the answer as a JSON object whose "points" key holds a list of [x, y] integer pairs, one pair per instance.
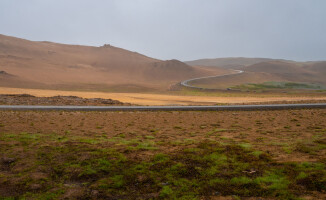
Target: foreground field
{"points": [[186, 97], [163, 155]]}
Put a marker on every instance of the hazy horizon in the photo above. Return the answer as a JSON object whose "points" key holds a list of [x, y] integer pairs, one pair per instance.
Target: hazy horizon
{"points": [[182, 29]]}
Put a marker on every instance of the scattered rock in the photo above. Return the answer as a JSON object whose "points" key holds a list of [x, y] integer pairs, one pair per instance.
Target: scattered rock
{"points": [[6, 160], [74, 193], [106, 46], [5, 73], [35, 186], [94, 192], [165, 183], [38, 176]]}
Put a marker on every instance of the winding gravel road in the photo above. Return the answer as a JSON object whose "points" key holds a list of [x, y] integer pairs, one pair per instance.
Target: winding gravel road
{"points": [[164, 108], [186, 82]]}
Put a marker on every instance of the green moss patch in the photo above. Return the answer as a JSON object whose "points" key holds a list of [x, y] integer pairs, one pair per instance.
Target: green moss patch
{"points": [[205, 169]]}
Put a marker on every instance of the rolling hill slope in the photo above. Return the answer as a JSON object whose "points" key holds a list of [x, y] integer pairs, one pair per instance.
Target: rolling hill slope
{"points": [[318, 67], [290, 71], [53, 65], [270, 71]]}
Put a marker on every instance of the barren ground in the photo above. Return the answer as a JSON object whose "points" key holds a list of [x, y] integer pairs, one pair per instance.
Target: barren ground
{"points": [[183, 98], [163, 155]]}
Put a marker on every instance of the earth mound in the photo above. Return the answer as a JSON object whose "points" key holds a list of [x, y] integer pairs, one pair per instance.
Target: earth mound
{"points": [[26, 99]]}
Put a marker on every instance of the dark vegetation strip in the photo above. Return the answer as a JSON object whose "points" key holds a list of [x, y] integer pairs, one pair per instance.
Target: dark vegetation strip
{"points": [[165, 108]]}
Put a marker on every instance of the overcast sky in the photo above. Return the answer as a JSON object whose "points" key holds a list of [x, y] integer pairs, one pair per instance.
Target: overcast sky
{"points": [[180, 29]]}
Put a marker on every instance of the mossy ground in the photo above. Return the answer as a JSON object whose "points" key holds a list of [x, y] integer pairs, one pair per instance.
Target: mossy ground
{"points": [[214, 160]]}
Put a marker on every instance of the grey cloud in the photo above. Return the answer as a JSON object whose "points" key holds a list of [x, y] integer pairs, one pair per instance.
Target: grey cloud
{"points": [[181, 29]]}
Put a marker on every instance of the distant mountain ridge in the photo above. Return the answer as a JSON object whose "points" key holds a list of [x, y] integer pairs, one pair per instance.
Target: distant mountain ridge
{"points": [[231, 62], [270, 71]]}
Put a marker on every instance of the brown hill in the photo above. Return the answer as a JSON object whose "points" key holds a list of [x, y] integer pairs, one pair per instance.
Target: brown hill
{"points": [[288, 71], [54, 65], [236, 79], [274, 67], [318, 67], [231, 63], [171, 69], [279, 71]]}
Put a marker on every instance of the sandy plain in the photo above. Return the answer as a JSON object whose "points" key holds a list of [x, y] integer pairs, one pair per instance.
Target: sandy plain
{"points": [[168, 99]]}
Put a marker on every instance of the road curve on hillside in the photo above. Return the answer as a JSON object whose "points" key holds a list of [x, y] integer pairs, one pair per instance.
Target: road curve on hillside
{"points": [[163, 108], [186, 82]]}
